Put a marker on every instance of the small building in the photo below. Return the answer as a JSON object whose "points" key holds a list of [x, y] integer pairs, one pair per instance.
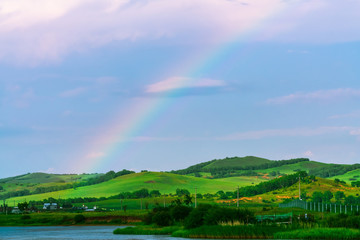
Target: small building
{"points": [[16, 210], [50, 206]]}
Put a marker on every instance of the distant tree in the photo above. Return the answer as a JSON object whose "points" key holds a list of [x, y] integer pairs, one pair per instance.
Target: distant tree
{"points": [[23, 206], [181, 192], [187, 199], [350, 200], [317, 196], [327, 196], [339, 195], [155, 193]]}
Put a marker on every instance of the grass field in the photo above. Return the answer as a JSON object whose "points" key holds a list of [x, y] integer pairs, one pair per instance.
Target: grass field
{"points": [[165, 182], [292, 168], [347, 177]]}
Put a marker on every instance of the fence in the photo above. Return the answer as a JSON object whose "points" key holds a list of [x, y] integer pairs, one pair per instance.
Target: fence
{"points": [[321, 206]]}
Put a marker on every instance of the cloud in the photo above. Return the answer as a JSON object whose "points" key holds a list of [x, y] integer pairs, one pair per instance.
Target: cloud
{"points": [[95, 155], [308, 154], [73, 92], [175, 83], [321, 95], [355, 114], [34, 32], [292, 132]]}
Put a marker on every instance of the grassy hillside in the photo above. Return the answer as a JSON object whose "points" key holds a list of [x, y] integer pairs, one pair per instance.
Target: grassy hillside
{"points": [[291, 168], [349, 176], [31, 181], [321, 185], [165, 182], [237, 162]]}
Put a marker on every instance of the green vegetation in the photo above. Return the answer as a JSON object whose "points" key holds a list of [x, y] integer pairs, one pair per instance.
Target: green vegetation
{"points": [[239, 232], [319, 233], [146, 230]]}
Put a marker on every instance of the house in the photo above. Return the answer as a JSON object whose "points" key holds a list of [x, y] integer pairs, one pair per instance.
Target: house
{"points": [[15, 210], [50, 206]]}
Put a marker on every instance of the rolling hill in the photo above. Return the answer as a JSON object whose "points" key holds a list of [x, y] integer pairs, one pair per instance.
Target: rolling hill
{"points": [[208, 177], [165, 182]]}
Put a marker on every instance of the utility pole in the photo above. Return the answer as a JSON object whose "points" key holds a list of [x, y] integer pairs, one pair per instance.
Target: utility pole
{"points": [[237, 197], [164, 201], [299, 188], [195, 197]]}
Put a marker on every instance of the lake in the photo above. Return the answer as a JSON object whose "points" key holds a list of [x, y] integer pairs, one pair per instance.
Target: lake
{"points": [[71, 232]]}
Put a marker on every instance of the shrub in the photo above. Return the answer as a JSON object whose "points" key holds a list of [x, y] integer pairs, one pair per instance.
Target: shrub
{"points": [[79, 218], [179, 212], [162, 218], [25, 217]]}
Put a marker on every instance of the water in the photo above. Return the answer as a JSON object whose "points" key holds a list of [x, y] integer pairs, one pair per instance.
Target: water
{"points": [[71, 232]]}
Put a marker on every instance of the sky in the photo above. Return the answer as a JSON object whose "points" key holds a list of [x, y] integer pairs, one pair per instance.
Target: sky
{"points": [[92, 86]]}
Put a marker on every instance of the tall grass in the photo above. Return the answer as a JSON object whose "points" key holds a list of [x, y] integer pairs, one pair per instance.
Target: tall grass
{"points": [[239, 232], [320, 233], [146, 230]]}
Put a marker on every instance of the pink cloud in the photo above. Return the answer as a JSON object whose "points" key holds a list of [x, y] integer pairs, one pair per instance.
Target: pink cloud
{"points": [[182, 82]]}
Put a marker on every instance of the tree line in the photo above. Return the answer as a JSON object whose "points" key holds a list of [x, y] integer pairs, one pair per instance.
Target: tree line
{"points": [[223, 171]]}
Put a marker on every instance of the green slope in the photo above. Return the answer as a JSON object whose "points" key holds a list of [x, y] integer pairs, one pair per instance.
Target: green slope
{"points": [[349, 176], [291, 168], [165, 182], [237, 162], [31, 181]]}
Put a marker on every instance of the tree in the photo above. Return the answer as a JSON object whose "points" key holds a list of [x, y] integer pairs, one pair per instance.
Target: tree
{"points": [[339, 195], [23, 206], [317, 196], [155, 193], [327, 196], [181, 192], [187, 199]]}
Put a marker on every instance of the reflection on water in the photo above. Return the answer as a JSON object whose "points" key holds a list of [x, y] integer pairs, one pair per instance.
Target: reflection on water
{"points": [[70, 232]]}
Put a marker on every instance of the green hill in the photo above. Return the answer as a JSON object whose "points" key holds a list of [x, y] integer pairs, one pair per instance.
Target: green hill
{"points": [[291, 168], [164, 182], [31, 181], [235, 162]]}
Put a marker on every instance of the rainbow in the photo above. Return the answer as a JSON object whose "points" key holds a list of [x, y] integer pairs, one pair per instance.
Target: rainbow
{"points": [[115, 140]]}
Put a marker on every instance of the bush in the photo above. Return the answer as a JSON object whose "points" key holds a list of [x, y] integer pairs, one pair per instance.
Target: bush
{"points": [[25, 217], [79, 218], [179, 213], [196, 216], [162, 218]]}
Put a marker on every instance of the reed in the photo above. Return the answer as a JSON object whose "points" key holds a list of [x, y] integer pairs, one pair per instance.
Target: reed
{"points": [[320, 233], [146, 230], [227, 232]]}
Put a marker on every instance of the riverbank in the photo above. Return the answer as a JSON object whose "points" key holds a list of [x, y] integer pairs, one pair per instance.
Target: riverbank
{"points": [[68, 219], [244, 232]]}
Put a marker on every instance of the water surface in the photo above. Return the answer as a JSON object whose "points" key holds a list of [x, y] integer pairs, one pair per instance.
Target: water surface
{"points": [[72, 232]]}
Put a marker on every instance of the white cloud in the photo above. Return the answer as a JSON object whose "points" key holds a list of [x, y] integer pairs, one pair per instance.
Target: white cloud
{"points": [[321, 95], [355, 132], [40, 30], [182, 82], [73, 92], [355, 114], [308, 154], [291, 132]]}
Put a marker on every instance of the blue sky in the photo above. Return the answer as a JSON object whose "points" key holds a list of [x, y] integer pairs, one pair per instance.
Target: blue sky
{"points": [[93, 86]]}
